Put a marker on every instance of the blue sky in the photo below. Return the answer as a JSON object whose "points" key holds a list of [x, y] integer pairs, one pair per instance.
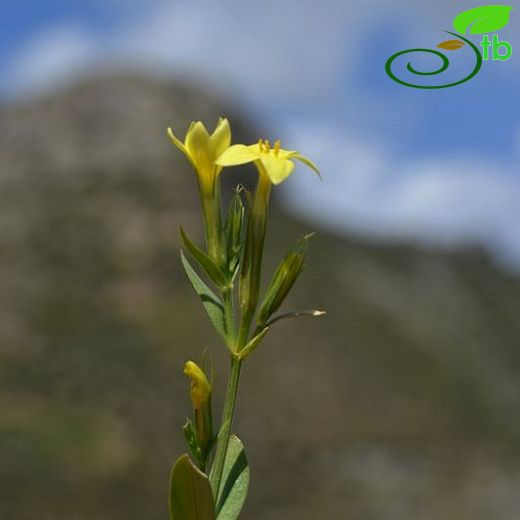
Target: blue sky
{"points": [[440, 167], [22, 19]]}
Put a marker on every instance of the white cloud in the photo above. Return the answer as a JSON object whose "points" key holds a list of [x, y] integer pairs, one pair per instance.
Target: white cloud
{"points": [[444, 201], [52, 58], [273, 48]]}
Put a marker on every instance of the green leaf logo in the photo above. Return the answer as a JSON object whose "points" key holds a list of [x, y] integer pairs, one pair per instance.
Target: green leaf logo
{"points": [[484, 19]]}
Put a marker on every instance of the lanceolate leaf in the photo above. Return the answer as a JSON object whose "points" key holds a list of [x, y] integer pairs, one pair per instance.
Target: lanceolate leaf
{"points": [[235, 481], [204, 260], [210, 300], [253, 344], [297, 314], [483, 19], [190, 493]]}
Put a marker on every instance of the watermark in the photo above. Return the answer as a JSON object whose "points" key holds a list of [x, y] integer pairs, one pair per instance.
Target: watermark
{"points": [[481, 20]]}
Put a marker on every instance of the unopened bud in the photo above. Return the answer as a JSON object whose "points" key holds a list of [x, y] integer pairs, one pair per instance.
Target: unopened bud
{"points": [[283, 280], [200, 391], [233, 231], [200, 387]]}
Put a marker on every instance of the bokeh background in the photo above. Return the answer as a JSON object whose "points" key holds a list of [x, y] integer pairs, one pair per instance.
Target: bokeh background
{"points": [[401, 403]]}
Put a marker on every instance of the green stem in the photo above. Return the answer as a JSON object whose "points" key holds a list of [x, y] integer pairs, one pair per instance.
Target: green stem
{"points": [[251, 271], [249, 286], [212, 227], [229, 319], [243, 334], [227, 421]]}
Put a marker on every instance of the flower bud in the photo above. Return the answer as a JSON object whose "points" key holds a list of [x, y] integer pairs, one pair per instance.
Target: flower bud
{"points": [[283, 280], [233, 231], [200, 391], [200, 387]]}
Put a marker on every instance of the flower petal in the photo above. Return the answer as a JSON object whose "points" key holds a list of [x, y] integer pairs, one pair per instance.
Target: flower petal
{"points": [[277, 169], [285, 154], [255, 148], [221, 137], [197, 138], [307, 162], [238, 154], [179, 144], [198, 145]]}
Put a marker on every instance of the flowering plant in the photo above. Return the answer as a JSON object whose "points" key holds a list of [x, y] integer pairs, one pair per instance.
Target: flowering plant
{"points": [[211, 482]]}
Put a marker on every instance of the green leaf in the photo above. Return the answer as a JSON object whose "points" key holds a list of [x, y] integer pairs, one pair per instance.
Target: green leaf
{"points": [[190, 493], [253, 344], [210, 300], [204, 260], [297, 314], [483, 19], [235, 481]]}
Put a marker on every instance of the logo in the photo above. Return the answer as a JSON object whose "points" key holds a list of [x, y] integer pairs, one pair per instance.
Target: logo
{"points": [[480, 20]]}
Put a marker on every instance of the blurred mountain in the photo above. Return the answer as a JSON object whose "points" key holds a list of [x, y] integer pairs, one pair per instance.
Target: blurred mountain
{"points": [[402, 402]]}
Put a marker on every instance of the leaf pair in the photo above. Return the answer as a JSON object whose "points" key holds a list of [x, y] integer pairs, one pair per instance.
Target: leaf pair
{"points": [[191, 497], [480, 20]]}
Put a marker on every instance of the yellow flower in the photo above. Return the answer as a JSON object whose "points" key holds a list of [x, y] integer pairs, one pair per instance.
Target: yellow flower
{"points": [[275, 161], [202, 150], [200, 387]]}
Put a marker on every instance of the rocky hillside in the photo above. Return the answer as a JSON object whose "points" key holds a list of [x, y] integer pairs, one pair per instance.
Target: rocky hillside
{"points": [[401, 403]]}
